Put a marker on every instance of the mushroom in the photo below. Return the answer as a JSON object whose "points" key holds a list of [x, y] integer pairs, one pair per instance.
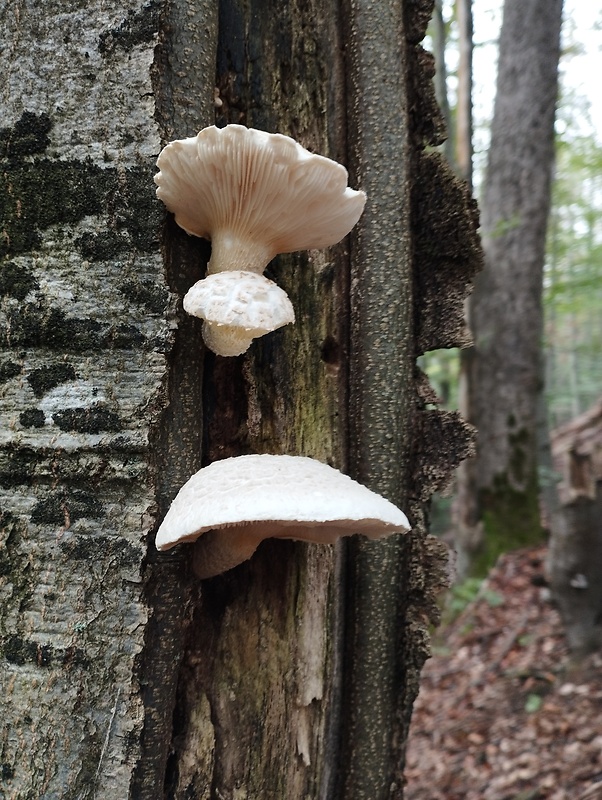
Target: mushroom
{"points": [[237, 307], [254, 195], [232, 505]]}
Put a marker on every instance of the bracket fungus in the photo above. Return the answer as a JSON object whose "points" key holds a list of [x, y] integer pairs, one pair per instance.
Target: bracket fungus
{"points": [[231, 506], [255, 195]]}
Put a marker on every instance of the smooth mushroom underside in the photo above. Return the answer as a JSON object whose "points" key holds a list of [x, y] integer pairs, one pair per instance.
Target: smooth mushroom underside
{"points": [[228, 508], [254, 195]]}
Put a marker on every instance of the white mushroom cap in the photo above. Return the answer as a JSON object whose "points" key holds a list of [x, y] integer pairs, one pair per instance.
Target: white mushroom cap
{"points": [[255, 194], [237, 307], [236, 503]]}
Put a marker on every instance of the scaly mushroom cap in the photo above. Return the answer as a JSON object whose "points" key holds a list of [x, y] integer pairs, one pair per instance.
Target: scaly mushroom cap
{"points": [[255, 194], [237, 307], [236, 503]]}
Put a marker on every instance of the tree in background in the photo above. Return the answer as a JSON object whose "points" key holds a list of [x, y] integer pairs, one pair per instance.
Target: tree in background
{"points": [[572, 278], [498, 502], [292, 676]]}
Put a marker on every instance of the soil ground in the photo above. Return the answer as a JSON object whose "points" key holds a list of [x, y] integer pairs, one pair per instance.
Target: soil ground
{"points": [[504, 713]]}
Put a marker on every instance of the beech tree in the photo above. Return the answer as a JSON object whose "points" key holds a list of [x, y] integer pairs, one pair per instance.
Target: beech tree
{"points": [[498, 502], [293, 675]]}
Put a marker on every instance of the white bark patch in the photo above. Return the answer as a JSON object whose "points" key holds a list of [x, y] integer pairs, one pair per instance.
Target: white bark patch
{"points": [[82, 369], [101, 104]]}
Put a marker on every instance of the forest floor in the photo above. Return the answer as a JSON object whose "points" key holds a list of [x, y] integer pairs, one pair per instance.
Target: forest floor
{"points": [[503, 712]]}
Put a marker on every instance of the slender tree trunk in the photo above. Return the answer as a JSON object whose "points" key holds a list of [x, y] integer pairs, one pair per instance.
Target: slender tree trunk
{"points": [[498, 499], [441, 93], [293, 675], [463, 138]]}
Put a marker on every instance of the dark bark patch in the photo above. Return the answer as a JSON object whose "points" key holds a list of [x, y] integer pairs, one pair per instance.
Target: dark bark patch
{"points": [[145, 293], [32, 418], [36, 325], [16, 281], [64, 506], [45, 378], [447, 253], [99, 549], [124, 337], [35, 195], [21, 651], [28, 136], [8, 370], [138, 27], [17, 467], [96, 419], [102, 246]]}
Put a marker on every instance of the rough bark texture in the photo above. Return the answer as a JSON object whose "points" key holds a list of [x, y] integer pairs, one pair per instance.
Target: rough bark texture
{"points": [[122, 676], [83, 331], [498, 506], [575, 557]]}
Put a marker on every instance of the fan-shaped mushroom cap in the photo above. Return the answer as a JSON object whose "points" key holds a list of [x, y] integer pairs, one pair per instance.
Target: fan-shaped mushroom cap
{"points": [[236, 503], [255, 194], [237, 307]]}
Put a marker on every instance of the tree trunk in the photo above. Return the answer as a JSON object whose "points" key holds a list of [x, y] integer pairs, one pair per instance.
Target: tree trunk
{"points": [[575, 557], [294, 674], [464, 149], [498, 498]]}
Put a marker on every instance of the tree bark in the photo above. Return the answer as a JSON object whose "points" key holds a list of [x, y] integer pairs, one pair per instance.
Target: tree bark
{"points": [[123, 676], [498, 497], [575, 554]]}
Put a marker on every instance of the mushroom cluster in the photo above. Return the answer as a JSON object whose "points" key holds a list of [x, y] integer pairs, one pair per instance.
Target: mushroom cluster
{"points": [[231, 506], [253, 195]]}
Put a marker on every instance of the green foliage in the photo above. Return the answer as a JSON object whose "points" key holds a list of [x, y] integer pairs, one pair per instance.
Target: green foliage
{"points": [[442, 368], [533, 703], [463, 594]]}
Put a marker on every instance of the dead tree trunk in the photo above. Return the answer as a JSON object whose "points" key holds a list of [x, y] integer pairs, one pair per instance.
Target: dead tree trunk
{"points": [[575, 557], [294, 674]]}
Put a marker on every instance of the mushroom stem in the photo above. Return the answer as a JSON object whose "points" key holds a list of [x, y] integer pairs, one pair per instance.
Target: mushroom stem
{"points": [[230, 251], [218, 551], [227, 340]]}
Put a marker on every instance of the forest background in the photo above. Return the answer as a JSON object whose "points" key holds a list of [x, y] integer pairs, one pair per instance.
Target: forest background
{"points": [[507, 710], [572, 290]]}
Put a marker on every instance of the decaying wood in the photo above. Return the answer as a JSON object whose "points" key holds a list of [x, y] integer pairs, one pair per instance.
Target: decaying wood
{"points": [[575, 557]]}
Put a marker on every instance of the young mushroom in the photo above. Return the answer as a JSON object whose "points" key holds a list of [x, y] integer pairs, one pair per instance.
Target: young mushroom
{"points": [[254, 195], [237, 307], [229, 507]]}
